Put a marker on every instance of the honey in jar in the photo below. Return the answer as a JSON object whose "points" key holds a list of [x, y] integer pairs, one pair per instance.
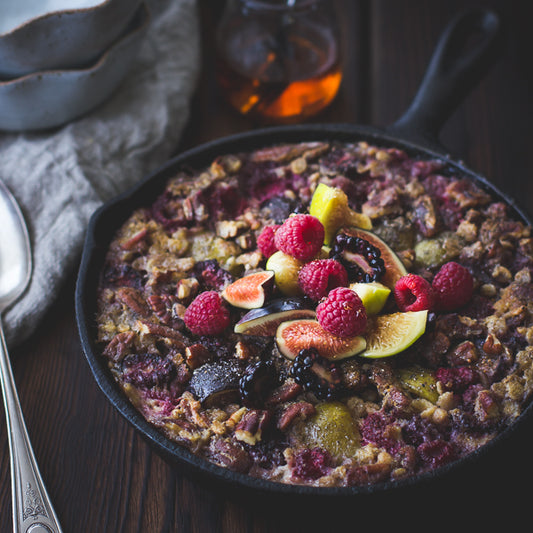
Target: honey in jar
{"points": [[278, 60]]}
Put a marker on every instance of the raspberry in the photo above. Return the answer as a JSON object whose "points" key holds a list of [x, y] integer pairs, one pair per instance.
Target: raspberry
{"points": [[342, 313], [436, 453], [207, 314], [456, 379], [318, 277], [311, 463], [265, 240], [414, 293], [376, 429], [453, 286], [301, 236]]}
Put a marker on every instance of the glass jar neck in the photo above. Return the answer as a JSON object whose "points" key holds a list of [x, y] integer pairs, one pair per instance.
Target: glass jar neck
{"points": [[276, 6]]}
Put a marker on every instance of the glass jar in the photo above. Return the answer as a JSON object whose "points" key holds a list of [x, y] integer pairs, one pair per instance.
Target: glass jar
{"points": [[278, 60]]}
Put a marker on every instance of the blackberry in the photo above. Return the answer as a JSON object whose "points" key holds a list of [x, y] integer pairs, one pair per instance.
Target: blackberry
{"points": [[316, 374], [257, 380], [362, 260]]}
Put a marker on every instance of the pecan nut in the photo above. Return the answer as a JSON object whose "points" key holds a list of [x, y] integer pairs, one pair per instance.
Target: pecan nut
{"points": [[252, 425], [231, 455], [295, 411], [196, 355], [133, 299]]}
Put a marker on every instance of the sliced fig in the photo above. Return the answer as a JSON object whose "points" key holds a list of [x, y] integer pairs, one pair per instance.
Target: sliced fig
{"points": [[216, 383], [296, 335], [249, 292], [388, 335], [264, 321], [394, 268]]}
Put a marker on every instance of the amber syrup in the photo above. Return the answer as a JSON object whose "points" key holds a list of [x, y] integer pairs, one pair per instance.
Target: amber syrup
{"points": [[291, 82]]}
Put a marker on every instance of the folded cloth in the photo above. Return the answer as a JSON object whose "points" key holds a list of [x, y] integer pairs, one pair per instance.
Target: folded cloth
{"points": [[60, 177]]}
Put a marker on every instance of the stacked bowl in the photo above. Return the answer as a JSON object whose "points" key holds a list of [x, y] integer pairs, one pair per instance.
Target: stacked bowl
{"points": [[61, 58]]}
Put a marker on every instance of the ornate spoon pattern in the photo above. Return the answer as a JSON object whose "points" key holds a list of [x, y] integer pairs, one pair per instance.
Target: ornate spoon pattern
{"points": [[32, 509]]}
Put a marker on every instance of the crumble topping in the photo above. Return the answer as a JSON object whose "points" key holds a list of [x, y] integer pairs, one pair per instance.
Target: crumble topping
{"points": [[465, 380]]}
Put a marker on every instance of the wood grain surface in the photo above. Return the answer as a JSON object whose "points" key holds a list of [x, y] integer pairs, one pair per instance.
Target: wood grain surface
{"points": [[102, 475]]}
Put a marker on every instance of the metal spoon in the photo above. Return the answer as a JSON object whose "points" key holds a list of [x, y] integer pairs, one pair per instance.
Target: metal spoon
{"points": [[32, 509]]}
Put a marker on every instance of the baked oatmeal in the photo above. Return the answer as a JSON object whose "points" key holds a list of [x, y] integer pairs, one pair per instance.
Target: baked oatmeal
{"points": [[322, 314]]}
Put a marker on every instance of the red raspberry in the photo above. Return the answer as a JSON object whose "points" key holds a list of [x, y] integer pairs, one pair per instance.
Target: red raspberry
{"points": [[318, 277], [414, 293], [453, 286], [456, 379], [342, 313], [265, 240], [312, 463], [301, 236], [376, 428], [436, 452], [207, 314]]}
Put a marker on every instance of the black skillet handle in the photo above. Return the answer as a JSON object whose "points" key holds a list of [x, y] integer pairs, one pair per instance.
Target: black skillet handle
{"points": [[464, 52]]}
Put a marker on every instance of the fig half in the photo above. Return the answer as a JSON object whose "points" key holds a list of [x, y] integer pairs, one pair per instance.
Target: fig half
{"points": [[216, 383], [296, 335], [249, 292], [264, 321]]}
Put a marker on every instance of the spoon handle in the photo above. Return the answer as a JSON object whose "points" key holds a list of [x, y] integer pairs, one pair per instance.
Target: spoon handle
{"points": [[32, 508]]}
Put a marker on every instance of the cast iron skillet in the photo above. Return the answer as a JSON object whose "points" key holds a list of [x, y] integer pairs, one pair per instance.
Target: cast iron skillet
{"points": [[457, 64]]}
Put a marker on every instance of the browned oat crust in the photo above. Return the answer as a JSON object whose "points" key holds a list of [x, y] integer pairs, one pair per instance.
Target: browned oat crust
{"points": [[201, 233]]}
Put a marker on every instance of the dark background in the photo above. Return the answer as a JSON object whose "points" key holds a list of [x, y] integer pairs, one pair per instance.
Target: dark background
{"points": [[101, 474]]}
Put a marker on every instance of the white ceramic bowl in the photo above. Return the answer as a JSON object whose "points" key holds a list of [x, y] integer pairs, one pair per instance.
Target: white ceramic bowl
{"points": [[51, 98], [37, 35]]}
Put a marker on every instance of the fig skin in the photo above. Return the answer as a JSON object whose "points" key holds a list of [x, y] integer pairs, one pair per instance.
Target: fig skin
{"points": [[295, 335], [217, 382], [286, 269], [264, 321], [250, 291], [389, 335], [394, 268], [331, 428]]}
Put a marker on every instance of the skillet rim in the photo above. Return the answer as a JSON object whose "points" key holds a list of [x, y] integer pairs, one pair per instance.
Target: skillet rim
{"points": [[119, 207]]}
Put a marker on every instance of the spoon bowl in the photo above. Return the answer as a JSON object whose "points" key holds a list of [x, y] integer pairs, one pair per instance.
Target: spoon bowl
{"points": [[15, 273], [15, 252]]}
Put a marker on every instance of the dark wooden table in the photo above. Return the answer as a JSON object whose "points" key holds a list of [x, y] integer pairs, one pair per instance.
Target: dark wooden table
{"points": [[102, 475]]}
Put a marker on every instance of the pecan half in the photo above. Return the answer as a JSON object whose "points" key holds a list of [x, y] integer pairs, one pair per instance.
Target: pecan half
{"points": [[284, 393], [252, 425], [196, 355], [231, 455], [163, 331], [133, 299], [298, 410], [119, 346]]}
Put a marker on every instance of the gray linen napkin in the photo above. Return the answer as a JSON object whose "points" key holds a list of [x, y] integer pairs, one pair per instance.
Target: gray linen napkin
{"points": [[60, 177]]}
